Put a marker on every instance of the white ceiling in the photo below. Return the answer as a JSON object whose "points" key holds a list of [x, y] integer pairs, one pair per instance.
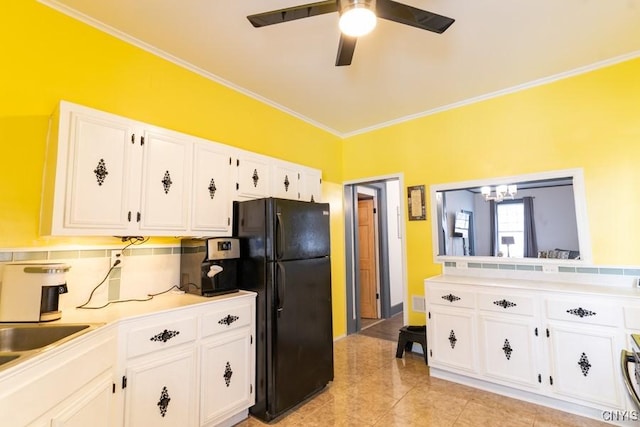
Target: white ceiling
{"points": [[398, 72]]}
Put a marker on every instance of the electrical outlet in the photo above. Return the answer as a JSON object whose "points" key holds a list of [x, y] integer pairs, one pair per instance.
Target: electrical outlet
{"points": [[116, 255], [549, 268]]}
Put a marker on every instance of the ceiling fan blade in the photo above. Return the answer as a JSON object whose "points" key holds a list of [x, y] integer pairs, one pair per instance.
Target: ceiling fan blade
{"points": [[408, 15], [345, 50], [293, 13]]}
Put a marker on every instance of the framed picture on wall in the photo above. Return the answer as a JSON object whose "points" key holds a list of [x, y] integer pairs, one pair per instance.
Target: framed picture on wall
{"points": [[417, 210]]}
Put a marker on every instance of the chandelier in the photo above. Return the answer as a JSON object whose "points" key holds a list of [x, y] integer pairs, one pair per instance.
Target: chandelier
{"points": [[502, 192]]}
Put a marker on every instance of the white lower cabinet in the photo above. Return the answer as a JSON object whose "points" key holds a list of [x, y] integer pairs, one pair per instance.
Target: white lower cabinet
{"points": [[69, 386], [160, 391], [584, 364], [193, 366], [91, 407], [551, 343], [226, 376], [452, 339], [509, 350]]}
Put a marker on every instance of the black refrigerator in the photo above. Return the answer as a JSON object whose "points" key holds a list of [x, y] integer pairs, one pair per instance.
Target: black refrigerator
{"points": [[285, 259]]}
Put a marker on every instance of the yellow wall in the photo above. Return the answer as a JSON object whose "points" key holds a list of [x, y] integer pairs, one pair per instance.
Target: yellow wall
{"points": [[47, 56], [591, 121]]}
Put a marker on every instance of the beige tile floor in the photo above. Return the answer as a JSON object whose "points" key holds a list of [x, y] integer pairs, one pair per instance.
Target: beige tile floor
{"points": [[373, 388]]}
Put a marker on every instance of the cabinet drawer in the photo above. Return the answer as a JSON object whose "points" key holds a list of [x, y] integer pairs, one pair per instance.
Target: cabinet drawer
{"points": [[584, 312], [505, 303], [451, 296], [226, 319], [160, 335]]}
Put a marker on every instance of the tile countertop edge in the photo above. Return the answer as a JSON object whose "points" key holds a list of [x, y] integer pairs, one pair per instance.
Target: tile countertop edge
{"points": [[538, 285], [109, 317]]}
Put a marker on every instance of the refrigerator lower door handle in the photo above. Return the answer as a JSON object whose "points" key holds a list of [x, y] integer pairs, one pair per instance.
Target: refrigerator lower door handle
{"points": [[281, 281]]}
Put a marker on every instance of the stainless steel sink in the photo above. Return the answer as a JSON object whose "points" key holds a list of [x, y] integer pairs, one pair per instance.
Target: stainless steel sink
{"points": [[21, 341], [8, 358], [29, 337]]}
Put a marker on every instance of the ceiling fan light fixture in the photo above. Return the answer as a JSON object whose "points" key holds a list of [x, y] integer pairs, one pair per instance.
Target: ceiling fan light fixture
{"points": [[357, 17]]}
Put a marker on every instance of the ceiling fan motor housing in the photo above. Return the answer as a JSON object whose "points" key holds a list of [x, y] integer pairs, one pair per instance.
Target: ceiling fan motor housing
{"points": [[345, 5]]}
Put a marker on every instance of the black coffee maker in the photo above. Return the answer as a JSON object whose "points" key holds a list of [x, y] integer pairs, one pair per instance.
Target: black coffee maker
{"points": [[209, 267]]}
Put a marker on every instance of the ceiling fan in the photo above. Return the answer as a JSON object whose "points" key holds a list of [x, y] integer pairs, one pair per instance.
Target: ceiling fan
{"points": [[361, 13]]}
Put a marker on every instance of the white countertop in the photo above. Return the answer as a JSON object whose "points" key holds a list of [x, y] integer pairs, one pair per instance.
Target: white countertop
{"points": [[124, 310], [108, 317], [539, 285]]}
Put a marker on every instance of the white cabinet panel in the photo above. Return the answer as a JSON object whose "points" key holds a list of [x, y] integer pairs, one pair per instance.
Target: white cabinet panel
{"points": [[93, 408], [212, 188], [584, 364], [253, 172], [285, 178], [451, 339], [508, 350], [160, 391], [226, 376], [311, 185], [166, 181]]}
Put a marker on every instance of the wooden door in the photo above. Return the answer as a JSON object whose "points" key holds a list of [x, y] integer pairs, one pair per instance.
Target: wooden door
{"points": [[367, 259]]}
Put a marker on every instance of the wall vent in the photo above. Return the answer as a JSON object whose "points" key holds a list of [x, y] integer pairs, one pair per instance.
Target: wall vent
{"points": [[418, 303]]}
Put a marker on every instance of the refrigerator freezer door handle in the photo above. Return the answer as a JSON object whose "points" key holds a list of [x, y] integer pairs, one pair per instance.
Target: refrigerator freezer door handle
{"points": [[279, 235], [281, 282]]}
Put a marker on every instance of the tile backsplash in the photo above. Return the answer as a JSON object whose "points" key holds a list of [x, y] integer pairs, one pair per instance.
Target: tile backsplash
{"points": [[144, 270]]}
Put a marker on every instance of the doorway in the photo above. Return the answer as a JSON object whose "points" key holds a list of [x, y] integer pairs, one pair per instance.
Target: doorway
{"points": [[368, 257], [375, 251]]}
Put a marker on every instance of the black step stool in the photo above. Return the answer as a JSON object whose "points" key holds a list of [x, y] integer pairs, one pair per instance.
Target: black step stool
{"points": [[409, 335]]}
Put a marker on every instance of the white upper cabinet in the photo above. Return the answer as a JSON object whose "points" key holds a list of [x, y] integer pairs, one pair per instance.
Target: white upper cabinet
{"points": [[252, 179], [89, 173], [310, 185], [166, 181], [213, 181], [285, 182], [107, 175]]}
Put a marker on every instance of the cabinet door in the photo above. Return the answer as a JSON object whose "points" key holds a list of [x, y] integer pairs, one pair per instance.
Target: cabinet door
{"points": [[99, 179], [160, 391], [450, 339], [212, 186], [584, 364], [166, 181], [509, 350], [285, 180], [311, 185], [226, 376], [92, 408], [252, 176]]}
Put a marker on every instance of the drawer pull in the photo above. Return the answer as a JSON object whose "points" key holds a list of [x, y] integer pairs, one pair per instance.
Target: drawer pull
{"points": [[164, 336], [505, 304], [451, 298], [228, 320], [227, 374], [452, 339], [581, 312], [584, 364], [163, 403], [507, 349]]}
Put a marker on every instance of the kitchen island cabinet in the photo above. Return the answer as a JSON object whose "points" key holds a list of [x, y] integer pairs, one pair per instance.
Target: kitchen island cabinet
{"points": [[556, 344]]}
